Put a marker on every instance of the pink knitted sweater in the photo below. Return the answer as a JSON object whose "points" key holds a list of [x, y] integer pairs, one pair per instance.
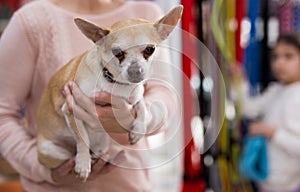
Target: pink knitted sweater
{"points": [[39, 39]]}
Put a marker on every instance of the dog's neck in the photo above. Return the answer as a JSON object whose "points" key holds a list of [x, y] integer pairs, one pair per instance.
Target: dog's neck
{"points": [[109, 76]]}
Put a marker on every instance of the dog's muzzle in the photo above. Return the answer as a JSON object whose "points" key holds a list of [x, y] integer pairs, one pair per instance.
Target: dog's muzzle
{"points": [[136, 74]]}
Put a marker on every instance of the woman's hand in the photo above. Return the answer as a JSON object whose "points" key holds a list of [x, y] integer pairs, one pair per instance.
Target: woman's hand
{"points": [[261, 128], [65, 175], [112, 113]]}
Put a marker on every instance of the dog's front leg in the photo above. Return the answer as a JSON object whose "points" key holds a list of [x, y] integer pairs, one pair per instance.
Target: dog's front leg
{"points": [[83, 157], [139, 126]]}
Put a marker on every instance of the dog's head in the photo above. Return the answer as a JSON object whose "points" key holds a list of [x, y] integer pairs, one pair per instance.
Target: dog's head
{"points": [[127, 48]]}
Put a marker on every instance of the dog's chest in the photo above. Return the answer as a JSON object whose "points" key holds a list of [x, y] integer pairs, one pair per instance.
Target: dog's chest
{"points": [[132, 93]]}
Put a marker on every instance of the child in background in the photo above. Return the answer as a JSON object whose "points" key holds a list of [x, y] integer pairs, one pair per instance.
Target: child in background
{"points": [[277, 108]]}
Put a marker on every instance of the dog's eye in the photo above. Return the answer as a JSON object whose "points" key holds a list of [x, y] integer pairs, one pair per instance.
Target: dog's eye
{"points": [[118, 53], [148, 51]]}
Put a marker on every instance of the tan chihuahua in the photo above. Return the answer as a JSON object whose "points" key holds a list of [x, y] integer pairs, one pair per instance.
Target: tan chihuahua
{"points": [[119, 63]]}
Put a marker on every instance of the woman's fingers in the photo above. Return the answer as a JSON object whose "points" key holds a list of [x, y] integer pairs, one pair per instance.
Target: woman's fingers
{"points": [[63, 170], [101, 162], [67, 167], [102, 98], [105, 165], [81, 106], [81, 99], [111, 112], [109, 99], [69, 98], [118, 104], [120, 113]]}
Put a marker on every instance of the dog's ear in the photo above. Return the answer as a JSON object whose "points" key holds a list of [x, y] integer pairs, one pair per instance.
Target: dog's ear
{"points": [[90, 30], [166, 24]]}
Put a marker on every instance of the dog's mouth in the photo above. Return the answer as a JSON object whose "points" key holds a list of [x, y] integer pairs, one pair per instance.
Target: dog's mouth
{"points": [[135, 79]]}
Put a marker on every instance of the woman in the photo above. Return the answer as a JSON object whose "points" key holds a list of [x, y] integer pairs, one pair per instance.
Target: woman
{"points": [[39, 39]]}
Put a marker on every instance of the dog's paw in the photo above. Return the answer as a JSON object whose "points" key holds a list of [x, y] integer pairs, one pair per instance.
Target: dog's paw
{"points": [[83, 166], [137, 132]]}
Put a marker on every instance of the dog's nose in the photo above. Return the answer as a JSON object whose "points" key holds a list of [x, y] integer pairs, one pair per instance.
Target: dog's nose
{"points": [[135, 74], [135, 71]]}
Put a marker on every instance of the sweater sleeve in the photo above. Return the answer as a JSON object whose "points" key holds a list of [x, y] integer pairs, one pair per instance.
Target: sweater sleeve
{"points": [[17, 60], [288, 137], [253, 106]]}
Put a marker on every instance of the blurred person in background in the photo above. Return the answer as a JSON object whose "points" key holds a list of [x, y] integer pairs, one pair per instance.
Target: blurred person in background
{"points": [[278, 118]]}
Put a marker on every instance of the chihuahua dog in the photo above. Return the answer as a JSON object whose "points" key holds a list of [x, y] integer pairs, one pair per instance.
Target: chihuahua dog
{"points": [[118, 63]]}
